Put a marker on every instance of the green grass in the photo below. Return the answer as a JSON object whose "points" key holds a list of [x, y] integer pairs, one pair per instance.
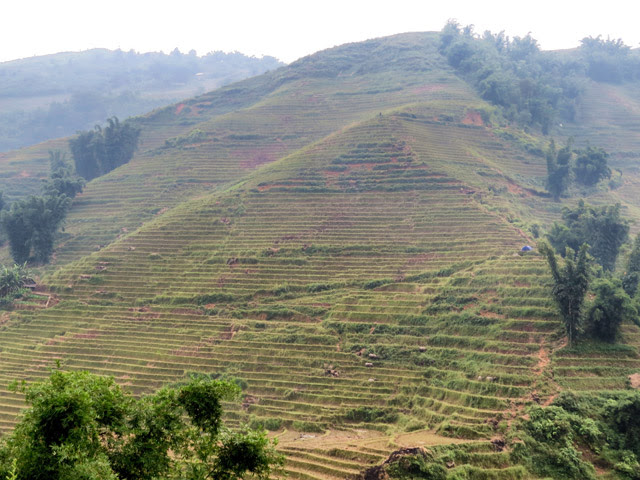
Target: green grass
{"points": [[336, 236]]}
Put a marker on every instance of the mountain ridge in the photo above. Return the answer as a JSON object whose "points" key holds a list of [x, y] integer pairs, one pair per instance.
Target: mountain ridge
{"points": [[347, 244]]}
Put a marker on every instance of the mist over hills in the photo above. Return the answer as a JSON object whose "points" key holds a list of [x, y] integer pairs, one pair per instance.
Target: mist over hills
{"points": [[342, 236], [56, 95]]}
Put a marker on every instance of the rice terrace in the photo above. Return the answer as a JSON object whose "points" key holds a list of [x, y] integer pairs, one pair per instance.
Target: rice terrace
{"points": [[342, 238]]}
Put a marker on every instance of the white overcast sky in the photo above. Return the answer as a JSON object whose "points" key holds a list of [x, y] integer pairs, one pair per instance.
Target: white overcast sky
{"points": [[291, 29]]}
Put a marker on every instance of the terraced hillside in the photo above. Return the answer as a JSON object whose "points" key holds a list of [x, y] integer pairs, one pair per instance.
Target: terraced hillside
{"points": [[343, 237]]}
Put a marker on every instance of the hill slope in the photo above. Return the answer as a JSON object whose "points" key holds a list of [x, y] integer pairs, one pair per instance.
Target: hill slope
{"points": [[342, 235]]}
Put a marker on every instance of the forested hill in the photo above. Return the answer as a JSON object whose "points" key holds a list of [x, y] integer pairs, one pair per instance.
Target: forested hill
{"points": [[342, 238], [56, 95]]}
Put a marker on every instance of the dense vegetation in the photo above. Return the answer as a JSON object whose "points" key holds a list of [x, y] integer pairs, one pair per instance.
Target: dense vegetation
{"points": [[98, 151], [600, 231], [30, 225], [586, 167], [83, 426], [534, 88], [12, 282], [514, 74], [75, 90], [554, 441], [602, 228]]}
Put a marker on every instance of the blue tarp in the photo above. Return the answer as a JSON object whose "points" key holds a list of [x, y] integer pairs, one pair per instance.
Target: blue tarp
{"points": [[526, 248]]}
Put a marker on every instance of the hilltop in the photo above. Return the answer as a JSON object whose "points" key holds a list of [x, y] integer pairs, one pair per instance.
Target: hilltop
{"points": [[342, 237]]}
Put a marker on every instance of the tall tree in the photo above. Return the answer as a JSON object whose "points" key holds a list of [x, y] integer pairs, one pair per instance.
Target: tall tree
{"points": [[558, 168], [98, 151], [611, 306], [600, 227], [631, 277], [591, 166], [62, 180], [570, 285], [31, 226]]}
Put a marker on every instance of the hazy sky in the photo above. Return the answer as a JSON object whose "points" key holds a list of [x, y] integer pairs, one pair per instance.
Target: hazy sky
{"points": [[291, 29]]}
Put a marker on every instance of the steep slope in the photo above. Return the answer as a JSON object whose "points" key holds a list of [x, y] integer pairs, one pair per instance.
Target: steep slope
{"points": [[217, 138], [342, 236]]}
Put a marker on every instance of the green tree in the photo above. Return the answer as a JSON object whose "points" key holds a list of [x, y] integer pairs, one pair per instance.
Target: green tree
{"points": [[62, 180], [631, 278], [83, 426], [591, 166], [86, 150], [611, 306], [558, 168], [12, 281], [98, 151], [624, 416], [31, 226], [570, 285], [600, 227]]}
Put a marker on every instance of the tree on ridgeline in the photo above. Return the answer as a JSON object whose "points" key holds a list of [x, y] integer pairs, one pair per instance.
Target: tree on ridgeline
{"points": [[530, 88], [570, 285], [609, 60], [98, 151], [84, 426]]}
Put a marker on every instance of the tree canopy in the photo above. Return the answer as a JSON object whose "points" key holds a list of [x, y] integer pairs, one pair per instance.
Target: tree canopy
{"points": [[83, 426], [12, 282], [31, 226], [62, 179], [558, 169], [570, 285], [631, 277], [610, 307], [591, 166], [530, 88], [602, 228], [98, 151]]}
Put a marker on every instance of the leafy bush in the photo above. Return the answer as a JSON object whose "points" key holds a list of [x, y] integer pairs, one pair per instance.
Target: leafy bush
{"points": [[81, 425]]}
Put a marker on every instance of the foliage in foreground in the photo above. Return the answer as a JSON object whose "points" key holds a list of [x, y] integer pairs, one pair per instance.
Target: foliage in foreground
{"points": [[567, 438], [563, 441], [83, 426]]}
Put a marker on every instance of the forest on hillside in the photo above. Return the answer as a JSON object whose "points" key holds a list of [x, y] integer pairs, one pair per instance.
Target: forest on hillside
{"points": [[56, 95], [534, 87]]}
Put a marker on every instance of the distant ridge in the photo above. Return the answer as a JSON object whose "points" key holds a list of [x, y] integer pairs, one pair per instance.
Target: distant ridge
{"points": [[55, 95]]}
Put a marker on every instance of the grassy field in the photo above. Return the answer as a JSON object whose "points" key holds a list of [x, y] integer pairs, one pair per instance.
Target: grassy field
{"points": [[343, 238]]}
